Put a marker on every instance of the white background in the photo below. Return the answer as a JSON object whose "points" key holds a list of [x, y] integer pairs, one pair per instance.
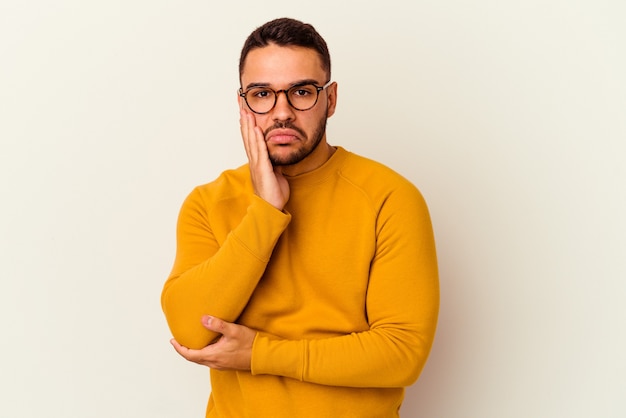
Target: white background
{"points": [[508, 115]]}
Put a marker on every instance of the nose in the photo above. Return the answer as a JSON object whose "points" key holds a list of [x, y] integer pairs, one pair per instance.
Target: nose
{"points": [[282, 110]]}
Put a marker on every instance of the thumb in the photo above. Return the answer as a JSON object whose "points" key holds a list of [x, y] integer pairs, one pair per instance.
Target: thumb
{"points": [[214, 324], [278, 172]]}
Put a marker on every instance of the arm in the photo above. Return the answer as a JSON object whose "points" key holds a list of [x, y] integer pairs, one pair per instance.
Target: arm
{"points": [[209, 277], [402, 307]]}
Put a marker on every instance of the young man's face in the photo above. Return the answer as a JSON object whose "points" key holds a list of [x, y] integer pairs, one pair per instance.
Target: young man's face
{"points": [[292, 136]]}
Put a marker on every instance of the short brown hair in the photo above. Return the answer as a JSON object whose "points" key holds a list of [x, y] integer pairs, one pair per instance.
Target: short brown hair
{"points": [[286, 32]]}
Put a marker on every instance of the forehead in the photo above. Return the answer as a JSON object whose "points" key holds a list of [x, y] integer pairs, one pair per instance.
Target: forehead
{"points": [[282, 65]]}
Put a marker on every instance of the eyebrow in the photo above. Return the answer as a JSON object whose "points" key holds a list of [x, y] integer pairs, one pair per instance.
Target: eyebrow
{"points": [[294, 84]]}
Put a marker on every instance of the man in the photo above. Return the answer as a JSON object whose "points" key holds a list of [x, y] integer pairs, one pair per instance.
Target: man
{"points": [[306, 279]]}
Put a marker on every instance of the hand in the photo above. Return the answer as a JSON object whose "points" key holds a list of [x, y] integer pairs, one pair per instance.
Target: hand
{"points": [[232, 351], [267, 180]]}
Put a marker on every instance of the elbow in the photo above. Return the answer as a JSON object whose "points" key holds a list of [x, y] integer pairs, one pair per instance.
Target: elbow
{"points": [[410, 373], [184, 324], [189, 335], [411, 358], [408, 370]]}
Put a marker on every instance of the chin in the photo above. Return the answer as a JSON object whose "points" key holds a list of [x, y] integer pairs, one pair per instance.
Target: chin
{"points": [[288, 157]]}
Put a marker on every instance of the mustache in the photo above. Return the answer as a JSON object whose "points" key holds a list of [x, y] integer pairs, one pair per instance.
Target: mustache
{"points": [[284, 125]]}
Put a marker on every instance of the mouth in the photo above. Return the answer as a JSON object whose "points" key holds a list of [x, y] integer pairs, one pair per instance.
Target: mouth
{"points": [[282, 137]]}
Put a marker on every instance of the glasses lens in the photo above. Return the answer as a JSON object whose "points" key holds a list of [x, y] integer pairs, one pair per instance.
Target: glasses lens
{"points": [[303, 97], [261, 99]]}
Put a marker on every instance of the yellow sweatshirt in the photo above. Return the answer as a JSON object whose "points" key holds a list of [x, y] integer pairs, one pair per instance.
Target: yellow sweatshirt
{"points": [[341, 286]]}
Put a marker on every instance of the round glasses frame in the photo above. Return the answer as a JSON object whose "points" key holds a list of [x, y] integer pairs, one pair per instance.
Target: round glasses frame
{"points": [[286, 91]]}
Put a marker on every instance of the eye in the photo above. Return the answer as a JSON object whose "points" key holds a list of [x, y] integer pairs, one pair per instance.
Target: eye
{"points": [[260, 93], [303, 91]]}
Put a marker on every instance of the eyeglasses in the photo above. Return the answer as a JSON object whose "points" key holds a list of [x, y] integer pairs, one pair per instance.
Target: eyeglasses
{"points": [[301, 97]]}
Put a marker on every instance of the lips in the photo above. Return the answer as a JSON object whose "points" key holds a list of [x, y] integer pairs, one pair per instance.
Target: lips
{"points": [[282, 136]]}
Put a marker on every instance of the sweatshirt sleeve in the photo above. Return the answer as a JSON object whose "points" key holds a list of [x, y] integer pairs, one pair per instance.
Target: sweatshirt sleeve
{"points": [[402, 308], [216, 278]]}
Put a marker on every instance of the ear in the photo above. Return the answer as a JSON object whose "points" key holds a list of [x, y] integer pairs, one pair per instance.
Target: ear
{"points": [[240, 100], [331, 91]]}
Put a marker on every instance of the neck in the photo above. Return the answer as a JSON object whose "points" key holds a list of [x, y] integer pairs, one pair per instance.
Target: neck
{"points": [[316, 159]]}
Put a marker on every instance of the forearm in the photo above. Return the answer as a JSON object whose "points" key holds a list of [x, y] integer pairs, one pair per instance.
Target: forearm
{"points": [[217, 279], [219, 286], [375, 358]]}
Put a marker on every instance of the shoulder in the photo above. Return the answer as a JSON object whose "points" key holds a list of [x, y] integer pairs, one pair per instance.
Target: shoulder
{"points": [[229, 181], [397, 202], [374, 178], [229, 184]]}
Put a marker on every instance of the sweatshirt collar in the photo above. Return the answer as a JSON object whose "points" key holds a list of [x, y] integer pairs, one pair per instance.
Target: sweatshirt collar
{"points": [[320, 174]]}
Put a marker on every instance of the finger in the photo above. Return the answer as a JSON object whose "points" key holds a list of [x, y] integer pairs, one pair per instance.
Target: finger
{"points": [[278, 171], [253, 137], [196, 356], [180, 349], [256, 140], [243, 125], [262, 152], [248, 133], [215, 324]]}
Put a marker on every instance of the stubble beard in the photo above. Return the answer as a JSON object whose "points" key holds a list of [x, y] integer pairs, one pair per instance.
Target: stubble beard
{"points": [[304, 151]]}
